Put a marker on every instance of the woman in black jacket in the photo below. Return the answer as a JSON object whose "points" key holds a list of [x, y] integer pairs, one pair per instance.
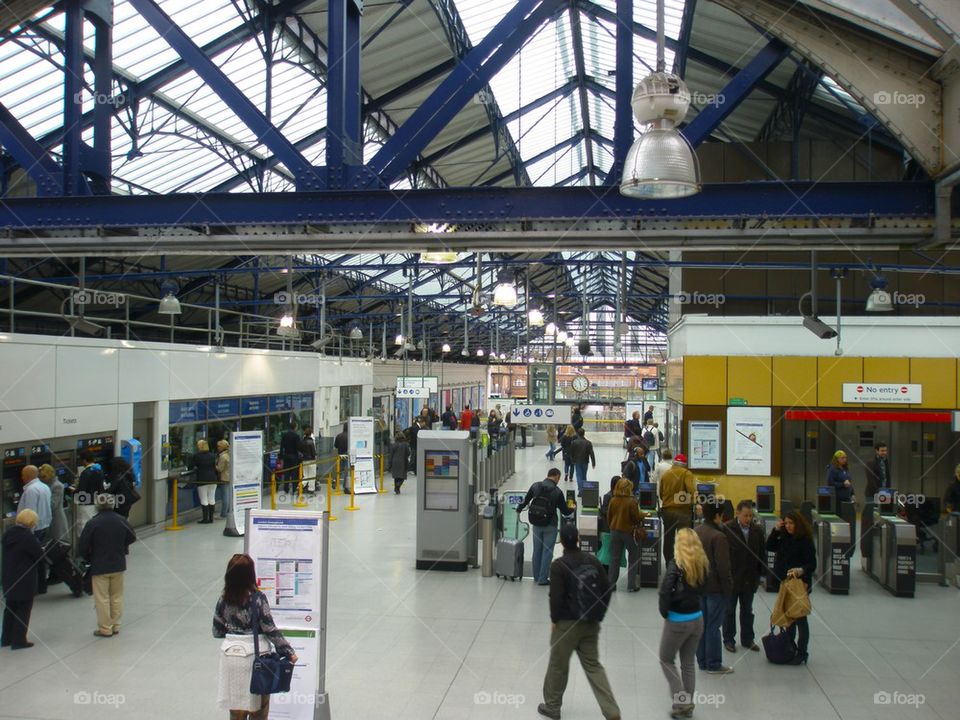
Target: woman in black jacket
{"points": [[569, 435], [792, 541], [205, 463], [684, 583], [399, 461], [21, 553]]}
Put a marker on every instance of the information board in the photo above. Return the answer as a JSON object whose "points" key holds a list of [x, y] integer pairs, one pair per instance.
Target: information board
{"points": [[246, 474], [748, 440], [289, 549], [360, 438], [364, 476], [441, 477], [704, 441], [417, 381]]}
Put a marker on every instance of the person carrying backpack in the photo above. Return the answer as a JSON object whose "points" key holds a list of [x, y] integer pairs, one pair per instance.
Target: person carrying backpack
{"points": [[544, 499], [579, 595]]}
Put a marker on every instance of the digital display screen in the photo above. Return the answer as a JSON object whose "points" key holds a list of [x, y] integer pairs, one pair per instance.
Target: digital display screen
{"points": [[650, 384], [765, 498], [825, 500], [647, 496], [441, 476], [705, 488]]}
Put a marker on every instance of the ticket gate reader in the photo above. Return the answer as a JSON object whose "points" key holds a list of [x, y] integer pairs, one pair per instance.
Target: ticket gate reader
{"points": [[893, 551], [766, 499], [768, 521], [647, 496], [950, 549], [649, 570], [833, 544]]}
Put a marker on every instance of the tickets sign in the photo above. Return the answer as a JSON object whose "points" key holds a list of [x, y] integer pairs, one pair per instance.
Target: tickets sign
{"points": [[540, 414], [905, 394]]}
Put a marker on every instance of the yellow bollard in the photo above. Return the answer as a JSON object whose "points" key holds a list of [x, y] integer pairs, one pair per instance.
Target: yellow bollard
{"points": [[353, 487], [330, 515], [174, 524], [299, 502], [381, 474], [273, 490], [336, 475]]}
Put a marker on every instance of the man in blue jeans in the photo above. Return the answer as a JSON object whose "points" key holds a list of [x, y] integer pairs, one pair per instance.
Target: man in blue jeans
{"points": [[544, 500], [719, 586], [581, 453]]}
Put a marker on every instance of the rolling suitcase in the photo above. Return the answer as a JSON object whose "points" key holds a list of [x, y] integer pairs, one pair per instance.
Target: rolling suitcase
{"points": [[509, 559], [57, 554]]}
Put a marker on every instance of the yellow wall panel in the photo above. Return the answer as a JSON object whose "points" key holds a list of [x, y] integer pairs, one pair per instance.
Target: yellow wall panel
{"points": [[704, 380], [794, 382], [939, 379], [749, 378], [833, 372], [886, 370]]}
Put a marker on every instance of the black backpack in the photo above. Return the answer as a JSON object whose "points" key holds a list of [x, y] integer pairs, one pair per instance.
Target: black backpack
{"points": [[649, 438], [542, 510], [589, 596]]}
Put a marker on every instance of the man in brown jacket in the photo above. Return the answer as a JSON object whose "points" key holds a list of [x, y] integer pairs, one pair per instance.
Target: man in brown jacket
{"points": [[719, 586], [677, 494]]}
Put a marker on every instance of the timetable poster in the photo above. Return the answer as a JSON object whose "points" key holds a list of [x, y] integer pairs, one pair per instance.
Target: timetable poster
{"points": [[364, 476], [704, 441], [246, 474]]}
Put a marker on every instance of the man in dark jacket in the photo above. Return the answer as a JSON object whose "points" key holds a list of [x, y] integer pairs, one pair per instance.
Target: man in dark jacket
{"points": [[581, 452], [546, 500], [342, 445], [632, 428], [570, 632], [719, 585], [90, 483], [878, 472], [290, 454], [104, 544], [22, 555], [449, 418], [746, 565]]}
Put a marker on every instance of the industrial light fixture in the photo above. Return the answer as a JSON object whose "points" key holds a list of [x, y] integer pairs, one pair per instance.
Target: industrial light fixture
{"points": [[356, 334], [440, 258], [879, 300], [661, 163], [445, 348], [169, 305], [503, 356], [535, 318], [561, 336], [569, 342], [399, 340], [551, 329], [286, 320], [505, 294], [479, 352]]}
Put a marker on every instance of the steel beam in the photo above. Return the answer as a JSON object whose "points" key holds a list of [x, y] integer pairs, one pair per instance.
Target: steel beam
{"points": [[580, 65], [473, 72], [683, 40], [14, 137], [72, 139], [344, 125], [623, 123], [735, 92], [307, 177]]}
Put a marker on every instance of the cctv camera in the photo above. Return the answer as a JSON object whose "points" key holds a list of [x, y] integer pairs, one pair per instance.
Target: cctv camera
{"points": [[819, 328]]}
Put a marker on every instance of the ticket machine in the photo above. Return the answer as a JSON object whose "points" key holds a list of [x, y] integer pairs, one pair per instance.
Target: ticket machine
{"points": [[446, 500], [588, 516], [832, 534]]}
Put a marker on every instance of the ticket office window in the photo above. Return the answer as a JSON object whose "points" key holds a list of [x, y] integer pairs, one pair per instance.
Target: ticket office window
{"points": [[183, 443], [220, 429], [351, 397], [255, 422]]}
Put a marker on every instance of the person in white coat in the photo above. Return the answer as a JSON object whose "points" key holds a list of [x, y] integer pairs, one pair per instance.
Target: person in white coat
{"points": [[666, 462]]}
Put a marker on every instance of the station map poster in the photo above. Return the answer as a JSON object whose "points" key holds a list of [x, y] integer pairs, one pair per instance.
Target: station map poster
{"points": [[749, 439], [290, 552], [704, 441], [441, 477], [360, 434], [246, 474]]}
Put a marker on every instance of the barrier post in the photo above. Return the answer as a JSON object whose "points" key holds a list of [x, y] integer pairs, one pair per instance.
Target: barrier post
{"points": [[273, 490], [330, 515], [353, 483], [337, 481], [381, 474], [174, 524], [299, 502]]}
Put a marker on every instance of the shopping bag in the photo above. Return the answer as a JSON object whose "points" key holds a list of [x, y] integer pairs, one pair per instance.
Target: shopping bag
{"points": [[778, 646]]}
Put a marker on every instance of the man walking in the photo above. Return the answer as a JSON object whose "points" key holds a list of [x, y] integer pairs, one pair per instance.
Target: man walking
{"points": [[579, 594], [878, 472], [545, 500], [341, 445], [290, 454], [36, 496], [581, 452], [747, 550], [104, 544], [719, 585], [677, 488]]}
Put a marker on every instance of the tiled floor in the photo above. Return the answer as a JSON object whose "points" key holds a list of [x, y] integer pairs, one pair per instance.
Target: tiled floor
{"points": [[409, 644]]}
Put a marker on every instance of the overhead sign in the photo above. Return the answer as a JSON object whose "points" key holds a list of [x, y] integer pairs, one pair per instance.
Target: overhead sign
{"points": [[428, 381], [540, 414], [882, 393], [412, 392]]}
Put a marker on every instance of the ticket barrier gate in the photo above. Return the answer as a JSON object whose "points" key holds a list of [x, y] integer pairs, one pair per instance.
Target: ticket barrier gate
{"points": [[893, 555], [833, 553], [587, 517], [950, 549], [649, 570]]}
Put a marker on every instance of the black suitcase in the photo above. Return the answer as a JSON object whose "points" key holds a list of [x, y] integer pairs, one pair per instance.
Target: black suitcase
{"points": [[57, 554]]}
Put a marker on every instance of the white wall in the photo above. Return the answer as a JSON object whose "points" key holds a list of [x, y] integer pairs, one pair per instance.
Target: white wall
{"points": [[60, 386], [875, 336], [454, 374]]}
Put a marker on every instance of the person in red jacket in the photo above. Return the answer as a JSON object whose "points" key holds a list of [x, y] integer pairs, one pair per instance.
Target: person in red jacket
{"points": [[466, 417]]}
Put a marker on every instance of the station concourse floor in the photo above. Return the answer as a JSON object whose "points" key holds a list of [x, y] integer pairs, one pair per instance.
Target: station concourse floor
{"points": [[406, 644]]}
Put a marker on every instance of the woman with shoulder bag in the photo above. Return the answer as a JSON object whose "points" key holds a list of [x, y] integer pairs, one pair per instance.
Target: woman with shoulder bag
{"points": [[684, 584], [205, 463], [624, 518], [233, 621], [223, 475], [795, 557]]}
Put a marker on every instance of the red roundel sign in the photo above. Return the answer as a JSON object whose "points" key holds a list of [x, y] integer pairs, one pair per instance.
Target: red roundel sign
{"points": [[904, 390], [860, 389]]}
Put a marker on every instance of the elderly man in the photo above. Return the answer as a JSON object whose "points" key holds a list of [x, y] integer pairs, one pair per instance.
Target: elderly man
{"points": [[104, 544], [36, 496]]}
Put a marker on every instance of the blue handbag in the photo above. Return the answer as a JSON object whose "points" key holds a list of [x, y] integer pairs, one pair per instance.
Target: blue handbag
{"points": [[272, 672]]}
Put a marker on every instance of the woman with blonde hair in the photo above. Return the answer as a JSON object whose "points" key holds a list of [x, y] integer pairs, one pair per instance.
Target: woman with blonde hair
{"points": [[569, 435], [623, 518], [223, 476], [684, 583], [205, 463]]}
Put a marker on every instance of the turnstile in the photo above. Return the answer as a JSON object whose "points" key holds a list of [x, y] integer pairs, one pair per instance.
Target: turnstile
{"points": [[649, 570], [950, 549], [893, 551], [833, 553], [768, 521]]}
